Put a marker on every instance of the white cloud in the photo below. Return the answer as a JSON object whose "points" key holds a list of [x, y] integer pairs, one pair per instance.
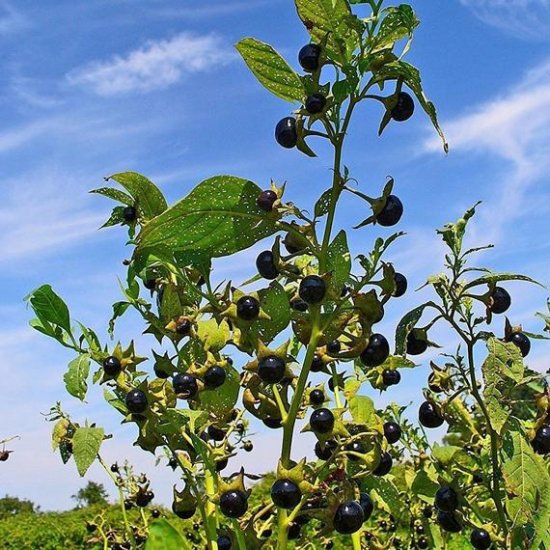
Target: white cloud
{"points": [[514, 127], [156, 65], [525, 19], [11, 20]]}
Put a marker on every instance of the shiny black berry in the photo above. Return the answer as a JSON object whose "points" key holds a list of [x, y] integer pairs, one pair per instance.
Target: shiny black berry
{"points": [[427, 512], [265, 263], [143, 498], [429, 415], [376, 352], [183, 327], [449, 521], [339, 384], [285, 494], [155, 512], [233, 504], [321, 421], [271, 369], [214, 377], [185, 385], [285, 132], [355, 447], [224, 543], [248, 446], [308, 57], [111, 366], [273, 422], [129, 214], [150, 284], [392, 432], [366, 503], [136, 401], [522, 342], [384, 466], [480, 539], [248, 308], [446, 499], [215, 433], [400, 285], [501, 300], [334, 347], [391, 377], [316, 397], [391, 213], [185, 513], [404, 108], [221, 464], [324, 453], [416, 342], [317, 364], [349, 517], [299, 305], [266, 200], [422, 543], [312, 289], [315, 103], [541, 441]]}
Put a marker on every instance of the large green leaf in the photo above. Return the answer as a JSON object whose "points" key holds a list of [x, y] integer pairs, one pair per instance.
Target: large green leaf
{"points": [[405, 326], [502, 370], [86, 444], [399, 22], [213, 336], [271, 69], [527, 483], [338, 264], [148, 197], [400, 70], [164, 536], [115, 194], [274, 302], [220, 216], [492, 278], [49, 307], [362, 410], [329, 20], [76, 376]]}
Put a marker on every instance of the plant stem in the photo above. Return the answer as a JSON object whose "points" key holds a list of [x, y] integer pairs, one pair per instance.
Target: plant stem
{"points": [[356, 540], [282, 537], [239, 536]]}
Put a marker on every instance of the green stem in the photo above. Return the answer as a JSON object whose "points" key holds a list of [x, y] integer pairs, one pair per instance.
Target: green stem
{"points": [[356, 540], [241, 543], [336, 389], [282, 536]]}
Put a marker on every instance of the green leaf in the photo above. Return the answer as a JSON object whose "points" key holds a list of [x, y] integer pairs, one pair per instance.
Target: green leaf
{"points": [[388, 495], [338, 263], [323, 203], [502, 370], [362, 409], [271, 69], [499, 277], [398, 23], [164, 536], [86, 444], [328, 20], [220, 216], [400, 70], [221, 400], [405, 326], [212, 335], [49, 307], [149, 200], [114, 194], [527, 483], [424, 486], [75, 378], [445, 454], [274, 302], [119, 308]]}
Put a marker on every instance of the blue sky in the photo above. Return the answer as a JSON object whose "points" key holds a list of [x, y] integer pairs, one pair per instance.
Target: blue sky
{"points": [[92, 88]]}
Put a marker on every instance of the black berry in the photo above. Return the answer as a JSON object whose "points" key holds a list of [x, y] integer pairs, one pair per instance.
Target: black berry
{"points": [[315, 103], [185, 385], [392, 432], [273, 422], [215, 433], [150, 284], [299, 305], [422, 543], [317, 364], [404, 108], [416, 343], [285, 132], [366, 503], [429, 416], [324, 453], [129, 214], [376, 352], [183, 327], [155, 512], [334, 347], [265, 263], [480, 539], [446, 499], [308, 57], [384, 466], [541, 441], [221, 464], [214, 377], [500, 300], [271, 369], [355, 447], [233, 504], [312, 289], [266, 199], [427, 512], [321, 421], [111, 366], [522, 342], [183, 513], [136, 401], [248, 308], [349, 517], [285, 494], [400, 285], [391, 213], [316, 397], [391, 377], [448, 521], [224, 543], [248, 446]]}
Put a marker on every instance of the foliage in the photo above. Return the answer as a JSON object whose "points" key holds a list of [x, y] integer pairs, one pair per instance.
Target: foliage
{"points": [[11, 506], [311, 321], [90, 495]]}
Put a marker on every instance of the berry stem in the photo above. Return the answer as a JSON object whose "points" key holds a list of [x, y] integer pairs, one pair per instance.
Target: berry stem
{"points": [[211, 521], [356, 540], [335, 385], [241, 543], [282, 535]]}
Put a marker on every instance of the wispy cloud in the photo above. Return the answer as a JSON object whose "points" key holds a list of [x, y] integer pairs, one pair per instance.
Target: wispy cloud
{"points": [[525, 19], [514, 127], [11, 20], [156, 65]]}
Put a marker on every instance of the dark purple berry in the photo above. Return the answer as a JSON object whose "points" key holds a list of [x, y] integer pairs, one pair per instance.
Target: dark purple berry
{"points": [[392, 432], [349, 517], [266, 200], [136, 401], [248, 308], [384, 466], [214, 377], [429, 415], [285, 132], [111, 366], [312, 289], [271, 369], [233, 504], [404, 108], [308, 57], [285, 494], [265, 263], [315, 103], [185, 385], [391, 213], [321, 421], [376, 352], [501, 300]]}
